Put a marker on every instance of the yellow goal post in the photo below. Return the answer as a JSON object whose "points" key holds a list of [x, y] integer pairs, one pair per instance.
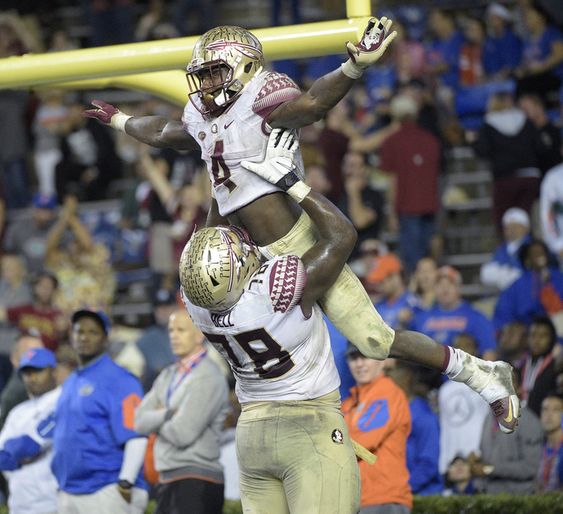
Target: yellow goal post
{"points": [[157, 67]]}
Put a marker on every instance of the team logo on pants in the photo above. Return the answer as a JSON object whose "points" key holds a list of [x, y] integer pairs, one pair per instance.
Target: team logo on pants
{"points": [[337, 436]]}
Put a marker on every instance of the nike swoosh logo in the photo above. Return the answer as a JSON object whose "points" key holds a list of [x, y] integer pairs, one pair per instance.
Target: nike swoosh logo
{"points": [[227, 125], [509, 417]]}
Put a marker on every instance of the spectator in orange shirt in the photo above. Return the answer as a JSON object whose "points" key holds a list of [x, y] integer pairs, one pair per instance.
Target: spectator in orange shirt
{"points": [[378, 417]]}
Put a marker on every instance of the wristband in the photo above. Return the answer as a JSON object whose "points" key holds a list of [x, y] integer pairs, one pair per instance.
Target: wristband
{"points": [[351, 70], [124, 484], [118, 121], [288, 180], [299, 191]]}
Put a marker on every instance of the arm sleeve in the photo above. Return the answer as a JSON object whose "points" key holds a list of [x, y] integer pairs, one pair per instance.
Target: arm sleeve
{"points": [[133, 458], [21, 448], [124, 397], [206, 398], [7, 461], [149, 415]]}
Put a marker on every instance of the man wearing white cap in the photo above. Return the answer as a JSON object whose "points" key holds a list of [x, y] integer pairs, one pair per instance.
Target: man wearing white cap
{"points": [[505, 266]]}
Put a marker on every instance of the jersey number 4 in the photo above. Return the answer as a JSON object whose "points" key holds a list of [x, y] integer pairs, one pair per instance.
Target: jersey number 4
{"points": [[219, 168], [273, 362]]}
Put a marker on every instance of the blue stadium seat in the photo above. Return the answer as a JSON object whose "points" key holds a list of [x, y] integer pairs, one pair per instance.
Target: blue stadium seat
{"points": [[473, 100]]}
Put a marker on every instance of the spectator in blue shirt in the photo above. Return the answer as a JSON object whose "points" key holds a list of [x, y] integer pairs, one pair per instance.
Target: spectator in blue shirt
{"points": [[538, 292], [502, 50], [397, 302], [339, 344], [97, 456], [154, 342], [541, 69], [505, 266], [443, 52], [423, 444], [450, 315]]}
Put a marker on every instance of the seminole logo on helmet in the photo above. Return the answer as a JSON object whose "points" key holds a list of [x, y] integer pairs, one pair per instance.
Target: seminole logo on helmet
{"points": [[246, 50], [224, 61], [215, 266]]}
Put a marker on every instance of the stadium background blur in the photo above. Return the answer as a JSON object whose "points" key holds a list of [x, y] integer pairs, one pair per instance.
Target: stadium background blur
{"points": [[108, 218]]}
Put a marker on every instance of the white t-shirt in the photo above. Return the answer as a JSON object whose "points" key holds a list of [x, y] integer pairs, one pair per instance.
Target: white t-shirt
{"points": [[462, 414], [274, 351], [240, 133]]}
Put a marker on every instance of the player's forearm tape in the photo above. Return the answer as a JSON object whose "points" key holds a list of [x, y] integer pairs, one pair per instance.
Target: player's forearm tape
{"points": [[118, 121], [133, 458], [351, 69], [299, 191]]}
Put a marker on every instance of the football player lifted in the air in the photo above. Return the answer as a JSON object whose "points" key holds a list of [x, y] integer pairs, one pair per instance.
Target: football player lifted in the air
{"points": [[234, 104]]}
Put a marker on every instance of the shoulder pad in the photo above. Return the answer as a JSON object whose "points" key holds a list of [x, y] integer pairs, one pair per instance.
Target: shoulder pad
{"points": [[287, 282], [277, 89]]}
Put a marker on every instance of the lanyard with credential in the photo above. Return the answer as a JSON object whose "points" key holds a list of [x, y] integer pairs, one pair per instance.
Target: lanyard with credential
{"points": [[179, 375]]}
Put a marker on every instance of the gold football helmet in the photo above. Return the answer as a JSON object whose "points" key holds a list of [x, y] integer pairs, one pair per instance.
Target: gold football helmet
{"points": [[224, 60], [215, 266]]}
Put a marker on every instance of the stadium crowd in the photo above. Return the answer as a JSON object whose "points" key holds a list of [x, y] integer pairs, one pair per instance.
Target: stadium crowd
{"points": [[487, 78]]}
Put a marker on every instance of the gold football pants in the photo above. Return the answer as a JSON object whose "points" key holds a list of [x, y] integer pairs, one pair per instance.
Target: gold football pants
{"points": [[346, 303], [295, 457]]}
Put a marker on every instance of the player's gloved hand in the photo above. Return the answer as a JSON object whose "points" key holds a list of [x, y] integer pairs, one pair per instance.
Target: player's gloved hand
{"points": [[278, 167], [375, 40], [107, 114]]}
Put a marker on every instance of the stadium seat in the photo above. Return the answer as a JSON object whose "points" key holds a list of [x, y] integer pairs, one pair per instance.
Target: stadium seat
{"points": [[473, 100]]}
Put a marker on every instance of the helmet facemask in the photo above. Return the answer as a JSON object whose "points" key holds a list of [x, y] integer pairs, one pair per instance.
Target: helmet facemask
{"points": [[215, 267], [224, 61]]}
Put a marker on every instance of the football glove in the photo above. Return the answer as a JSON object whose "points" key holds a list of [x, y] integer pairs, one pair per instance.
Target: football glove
{"points": [[277, 167], [107, 114], [375, 40]]}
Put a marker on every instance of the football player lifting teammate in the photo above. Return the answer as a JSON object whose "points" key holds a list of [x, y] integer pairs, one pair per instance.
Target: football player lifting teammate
{"points": [[234, 104]]}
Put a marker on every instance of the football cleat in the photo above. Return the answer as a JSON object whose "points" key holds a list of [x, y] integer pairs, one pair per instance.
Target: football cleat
{"points": [[500, 394]]}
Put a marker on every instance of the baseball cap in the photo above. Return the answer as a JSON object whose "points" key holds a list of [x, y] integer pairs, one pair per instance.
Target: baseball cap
{"points": [[39, 358], [402, 106], [450, 273], [499, 10], [384, 266], [44, 201], [352, 350], [100, 316], [516, 215]]}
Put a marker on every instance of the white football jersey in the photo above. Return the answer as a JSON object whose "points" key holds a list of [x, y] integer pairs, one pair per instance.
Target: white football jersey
{"points": [[240, 133], [275, 352]]}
